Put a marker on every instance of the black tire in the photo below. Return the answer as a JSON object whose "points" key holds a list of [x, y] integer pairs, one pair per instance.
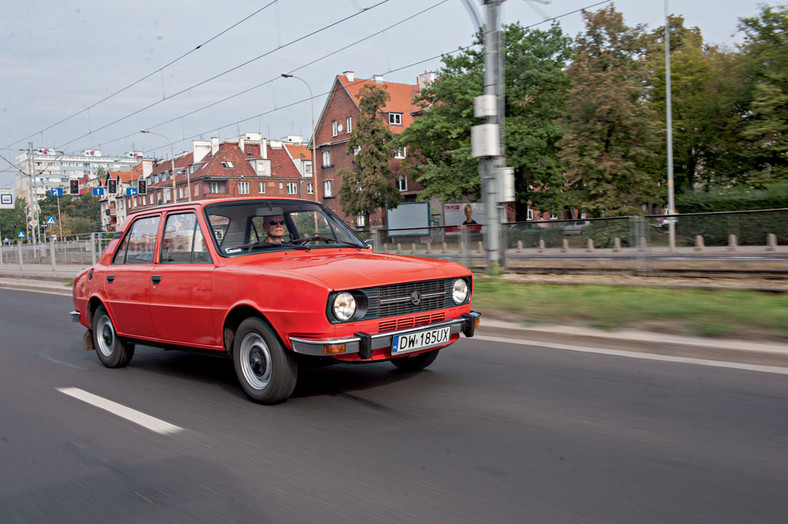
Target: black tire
{"points": [[266, 370], [416, 362], [112, 350]]}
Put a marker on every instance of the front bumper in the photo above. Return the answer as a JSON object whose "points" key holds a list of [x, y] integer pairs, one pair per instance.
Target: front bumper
{"points": [[365, 343]]}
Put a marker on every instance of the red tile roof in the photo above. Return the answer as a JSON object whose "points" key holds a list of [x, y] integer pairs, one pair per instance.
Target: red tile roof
{"points": [[401, 101]]}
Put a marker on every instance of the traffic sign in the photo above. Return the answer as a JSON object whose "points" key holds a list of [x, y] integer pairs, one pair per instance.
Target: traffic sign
{"points": [[57, 191], [98, 191], [51, 221], [33, 223], [21, 234], [131, 191]]}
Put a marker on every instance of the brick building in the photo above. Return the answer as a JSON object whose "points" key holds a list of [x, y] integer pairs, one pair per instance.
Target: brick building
{"points": [[335, 124], [244, 166]]}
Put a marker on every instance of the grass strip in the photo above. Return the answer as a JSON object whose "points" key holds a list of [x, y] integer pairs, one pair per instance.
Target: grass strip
{"points": [[717, 313]]}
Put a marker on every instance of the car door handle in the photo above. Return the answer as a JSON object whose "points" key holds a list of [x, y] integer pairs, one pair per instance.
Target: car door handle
{"points": [[156, 279], [110, 278]]}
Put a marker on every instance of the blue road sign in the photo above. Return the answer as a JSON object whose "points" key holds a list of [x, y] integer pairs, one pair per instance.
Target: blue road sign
{"points": [[131, 191], [57, 191], [98, 191], [21, 234], [51, 221]]}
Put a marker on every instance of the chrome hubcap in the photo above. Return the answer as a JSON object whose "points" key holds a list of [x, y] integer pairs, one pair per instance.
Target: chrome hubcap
{"points": [[106, 336], [255, 361]]}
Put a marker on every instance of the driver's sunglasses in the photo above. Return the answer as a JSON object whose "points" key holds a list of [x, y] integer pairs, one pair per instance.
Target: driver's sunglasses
{"points": [[276, 222]]}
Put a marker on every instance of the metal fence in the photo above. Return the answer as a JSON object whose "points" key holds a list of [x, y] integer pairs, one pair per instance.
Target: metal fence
{"points": [[637, 239], [634, 238]]}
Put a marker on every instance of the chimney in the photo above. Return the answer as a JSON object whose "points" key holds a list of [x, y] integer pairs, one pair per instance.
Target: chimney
{"points": [[241, 144], [214, 145], [350, 75], [425, 79], [378, 79], [264, 148]]}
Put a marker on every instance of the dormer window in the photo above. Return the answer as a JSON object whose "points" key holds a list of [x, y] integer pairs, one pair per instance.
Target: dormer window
{"points": [[227, 164], [395, 119]]}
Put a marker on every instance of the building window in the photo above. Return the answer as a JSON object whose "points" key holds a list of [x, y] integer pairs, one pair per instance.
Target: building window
{"points": [[349, 124], [227, 164], [334, 126], [216, 187], [310, 189], [400, 153], [292, 188], [167, 195], [196, 189], [327, 158], [262, 187], [402, 183], [361, 220], [243, 188], [328, 188], [395, 119]]}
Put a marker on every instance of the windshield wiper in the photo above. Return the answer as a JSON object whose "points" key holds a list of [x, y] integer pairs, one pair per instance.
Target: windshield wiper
{"points": [[318, 238], [268, 244]]}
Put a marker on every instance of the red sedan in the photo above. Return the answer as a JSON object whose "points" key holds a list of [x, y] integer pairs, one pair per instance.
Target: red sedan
{"points": [[267, 283]]}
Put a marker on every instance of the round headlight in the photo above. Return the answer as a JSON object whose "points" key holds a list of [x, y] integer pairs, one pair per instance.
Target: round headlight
{"points": [[459, 291], [344, 306]]}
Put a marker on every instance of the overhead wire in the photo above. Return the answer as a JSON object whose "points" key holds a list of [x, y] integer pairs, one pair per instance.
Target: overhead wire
{"points": [[203, 82], [162, 68], [268, 81]]}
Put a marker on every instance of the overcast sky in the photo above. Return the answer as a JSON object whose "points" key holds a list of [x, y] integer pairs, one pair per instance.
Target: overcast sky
{"points": [[85, 74]]}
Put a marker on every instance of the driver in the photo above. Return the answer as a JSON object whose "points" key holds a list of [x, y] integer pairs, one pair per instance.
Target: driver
{"points": [[274, 227]]}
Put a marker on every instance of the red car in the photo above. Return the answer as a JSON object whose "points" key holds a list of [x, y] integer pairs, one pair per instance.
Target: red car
{"points": [[268, 283]]}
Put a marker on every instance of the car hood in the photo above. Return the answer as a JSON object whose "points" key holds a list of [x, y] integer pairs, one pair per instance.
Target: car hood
{"points": [[344, 269]]}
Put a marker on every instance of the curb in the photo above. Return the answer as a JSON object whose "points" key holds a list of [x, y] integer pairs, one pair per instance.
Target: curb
{"points": [[771, 353]]}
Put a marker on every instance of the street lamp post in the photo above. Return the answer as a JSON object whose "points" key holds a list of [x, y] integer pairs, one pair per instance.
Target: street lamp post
{"points": [[172, 167], [314, 138]]}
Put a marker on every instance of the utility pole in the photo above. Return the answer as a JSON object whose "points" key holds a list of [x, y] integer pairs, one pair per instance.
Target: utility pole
{"points": [[669, 126], [31, 204], [487, 141]]}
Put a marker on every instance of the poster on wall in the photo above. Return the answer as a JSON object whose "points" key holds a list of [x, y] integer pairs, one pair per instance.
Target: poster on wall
{"points": [[6, 198], [469, 214]]}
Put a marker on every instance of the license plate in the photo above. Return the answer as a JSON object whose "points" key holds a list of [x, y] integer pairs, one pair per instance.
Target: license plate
{"points": [[419, 340]]}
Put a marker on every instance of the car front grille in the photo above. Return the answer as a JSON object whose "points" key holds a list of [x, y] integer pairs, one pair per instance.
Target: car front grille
{"points": [[408, 298]]}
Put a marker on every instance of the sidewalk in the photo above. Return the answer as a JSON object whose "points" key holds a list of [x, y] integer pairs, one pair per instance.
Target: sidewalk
{"points": [[41, 278]]}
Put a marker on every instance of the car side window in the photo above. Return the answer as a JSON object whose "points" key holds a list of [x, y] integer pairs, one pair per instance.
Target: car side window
{"points": [[138, 244], [183, 241]]}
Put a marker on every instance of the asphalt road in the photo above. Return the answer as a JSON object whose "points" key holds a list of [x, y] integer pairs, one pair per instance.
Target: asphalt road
{"points": [[492, 432]]}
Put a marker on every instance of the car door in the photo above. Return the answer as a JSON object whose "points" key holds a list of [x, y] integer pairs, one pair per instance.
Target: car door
{"points": [[127, 285], [181, 296]]}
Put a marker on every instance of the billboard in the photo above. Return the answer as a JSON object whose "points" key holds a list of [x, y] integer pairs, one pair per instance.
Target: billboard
{"points": [[470, 214], [406, 215]]}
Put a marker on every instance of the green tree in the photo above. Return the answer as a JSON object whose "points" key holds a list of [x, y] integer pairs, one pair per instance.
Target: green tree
{"points": [[12, 221], [765, 54], [79, 214], [439, 149], [610, 129], [709, 91], [370, 184]]}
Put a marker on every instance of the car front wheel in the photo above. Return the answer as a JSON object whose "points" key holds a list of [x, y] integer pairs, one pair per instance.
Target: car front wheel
{"points": [[266, 370], [112, 350], [416, 362]]}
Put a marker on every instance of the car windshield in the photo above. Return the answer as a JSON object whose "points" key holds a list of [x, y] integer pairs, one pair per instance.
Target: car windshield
{"points": [[252, 226]]}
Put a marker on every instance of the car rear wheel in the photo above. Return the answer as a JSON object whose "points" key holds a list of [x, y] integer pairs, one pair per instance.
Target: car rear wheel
{"points": [[112, 350], [416, 362], [266, 370]]}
